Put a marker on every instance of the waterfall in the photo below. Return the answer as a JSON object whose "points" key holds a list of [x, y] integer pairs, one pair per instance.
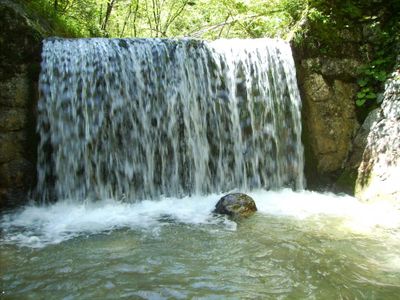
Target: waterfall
{"points": [[140, 118]]}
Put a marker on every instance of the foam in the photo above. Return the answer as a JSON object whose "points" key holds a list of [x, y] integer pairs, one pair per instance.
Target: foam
{"points": [[38, 226]]}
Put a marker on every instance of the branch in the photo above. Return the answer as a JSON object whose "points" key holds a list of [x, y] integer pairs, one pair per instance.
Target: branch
{"points": [[222, 27], [172, 17], [201, 31]]}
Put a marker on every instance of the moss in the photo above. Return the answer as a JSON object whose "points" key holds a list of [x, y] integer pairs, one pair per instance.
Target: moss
{"points": [[347, 181], [42, 17]]}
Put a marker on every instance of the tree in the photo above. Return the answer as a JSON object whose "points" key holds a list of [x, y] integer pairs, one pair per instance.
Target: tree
{"points": [[110, 5]]}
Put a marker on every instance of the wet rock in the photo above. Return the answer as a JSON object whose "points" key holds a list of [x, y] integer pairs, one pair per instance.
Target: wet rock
{"points": [[236, 205], [361, 139], [17, 173], [379, 171], [327, 73], [11, 146], [21, 35], [15, 91], [12, 119], [347, 180]]}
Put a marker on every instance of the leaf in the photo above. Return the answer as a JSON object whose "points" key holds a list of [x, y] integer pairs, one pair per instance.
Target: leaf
{"points": [[366, 89], [360, 95], [369, 72], [362, 82], [360, 102], [371, 96], [381, 76], [379, 61]]}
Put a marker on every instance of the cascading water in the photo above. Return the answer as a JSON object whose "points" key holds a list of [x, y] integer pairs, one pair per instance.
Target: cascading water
{"points": [[141, 118]]}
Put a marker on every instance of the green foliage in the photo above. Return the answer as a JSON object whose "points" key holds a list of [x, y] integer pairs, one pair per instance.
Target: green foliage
{"points": [[372, 76], [56, 24], [206, 19], [384, 29], [377, 21]]}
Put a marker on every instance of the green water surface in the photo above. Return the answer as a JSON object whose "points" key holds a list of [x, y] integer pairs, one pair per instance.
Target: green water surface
{"points": [[265, 257]]}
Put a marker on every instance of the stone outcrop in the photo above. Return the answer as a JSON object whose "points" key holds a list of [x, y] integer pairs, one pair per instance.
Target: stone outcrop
{"points": [[330, 120], [236, 205], [346, 181], [20, 49], [328, 88], [379, 171]]}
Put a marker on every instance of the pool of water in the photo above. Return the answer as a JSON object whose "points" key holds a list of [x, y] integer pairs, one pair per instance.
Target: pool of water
{"points": [[299, 245]]}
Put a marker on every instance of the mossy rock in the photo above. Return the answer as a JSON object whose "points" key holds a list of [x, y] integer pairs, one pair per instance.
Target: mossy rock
{"points": [[236, 205], [347, 181]]}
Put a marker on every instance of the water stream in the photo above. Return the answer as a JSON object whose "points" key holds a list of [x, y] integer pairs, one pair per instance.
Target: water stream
{"points": [[299, 245], [138, 141], [141, 118]]}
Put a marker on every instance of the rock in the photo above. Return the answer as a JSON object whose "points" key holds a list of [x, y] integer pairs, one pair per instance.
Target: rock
{"points": [[17, 173], [327, 68], [347, 180], [316, 88], [328, 87], [12, 119], [329, 121], [16, 179], [236, 205], [379, 171], [360, 140], [15, 91], [11, 146], [354, 35], [343, 68], [20, 47]]}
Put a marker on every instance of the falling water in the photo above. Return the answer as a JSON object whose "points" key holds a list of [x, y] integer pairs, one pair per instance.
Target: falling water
{"points": [[184, 122], [140, 118]]}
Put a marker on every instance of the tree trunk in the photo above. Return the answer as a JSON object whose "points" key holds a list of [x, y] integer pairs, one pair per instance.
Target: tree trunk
{"points": [[110, 5], [128, 17]]}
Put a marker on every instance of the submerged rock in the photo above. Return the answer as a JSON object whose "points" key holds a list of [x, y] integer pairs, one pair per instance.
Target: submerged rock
{"points": [[236, 205]]}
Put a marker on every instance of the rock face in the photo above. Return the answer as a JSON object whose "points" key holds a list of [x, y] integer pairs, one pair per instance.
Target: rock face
{"points": [[236, 205], [379, 171], [330, 120], [20, 49], [346, 181], [327, 83], [329, 117]]}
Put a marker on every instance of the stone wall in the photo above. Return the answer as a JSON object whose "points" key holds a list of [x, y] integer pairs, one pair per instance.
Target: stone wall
{"points": [[20, 50]]}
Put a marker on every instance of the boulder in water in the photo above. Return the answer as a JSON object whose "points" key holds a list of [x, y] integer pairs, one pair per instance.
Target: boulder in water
{"points": [[236, 205]]}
